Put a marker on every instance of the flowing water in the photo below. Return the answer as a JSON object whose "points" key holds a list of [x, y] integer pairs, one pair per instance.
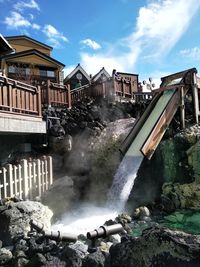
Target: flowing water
{"points": [[123, 182], [88, 217]]}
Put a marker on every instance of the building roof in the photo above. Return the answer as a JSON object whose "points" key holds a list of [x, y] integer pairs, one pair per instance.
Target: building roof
{"points": [[5, 47], [9, 38], [33, 52], [99, 75], [78, 68]]}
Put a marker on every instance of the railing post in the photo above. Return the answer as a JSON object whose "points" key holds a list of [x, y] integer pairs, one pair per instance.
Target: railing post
{"points": [[39, 104], [25, 178], [48, 92], [10, 93], [69, 96]]}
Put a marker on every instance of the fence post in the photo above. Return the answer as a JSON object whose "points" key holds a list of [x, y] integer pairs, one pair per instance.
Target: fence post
{"points": [[39, 177], [4, 182], [25, 178], [10, 168], [50, 169]]}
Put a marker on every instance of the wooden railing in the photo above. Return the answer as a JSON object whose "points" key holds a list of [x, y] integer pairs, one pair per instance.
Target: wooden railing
{"points": [[54, 94], [27, 180], [80, 93], [142, 96], [19, 98]]}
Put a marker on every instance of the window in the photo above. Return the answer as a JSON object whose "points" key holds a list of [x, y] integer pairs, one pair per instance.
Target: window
{"points": [[11, 69], [47, 73]]}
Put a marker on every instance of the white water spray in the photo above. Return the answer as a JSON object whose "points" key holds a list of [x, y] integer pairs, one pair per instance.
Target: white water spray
{"points": [[123, 182]]}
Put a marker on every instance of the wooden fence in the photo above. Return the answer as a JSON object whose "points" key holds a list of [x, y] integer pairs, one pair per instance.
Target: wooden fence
{"points": [[19, 98], [54, 94], [27, 180]]}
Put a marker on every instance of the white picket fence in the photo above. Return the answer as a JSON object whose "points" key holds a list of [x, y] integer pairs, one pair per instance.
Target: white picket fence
{"points": [[27, 180]]}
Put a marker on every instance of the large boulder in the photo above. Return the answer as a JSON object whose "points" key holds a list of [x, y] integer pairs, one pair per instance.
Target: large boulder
{"points": [[157, 247], [15, 218], [61, 196]]}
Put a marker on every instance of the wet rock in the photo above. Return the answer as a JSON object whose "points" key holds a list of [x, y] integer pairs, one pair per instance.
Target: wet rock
{"points": [[37, 260], [141, 213], [157, 247], [115, 238]]}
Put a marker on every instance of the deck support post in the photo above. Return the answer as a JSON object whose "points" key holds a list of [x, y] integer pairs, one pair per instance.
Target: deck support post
{"points": [[195, 99], [182, 108]]}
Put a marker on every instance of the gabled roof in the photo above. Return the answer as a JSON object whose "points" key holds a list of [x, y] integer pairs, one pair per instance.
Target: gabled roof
{"points": [[78, 68], [9, 38], [5, 48], [100, 73], [34, 52]]}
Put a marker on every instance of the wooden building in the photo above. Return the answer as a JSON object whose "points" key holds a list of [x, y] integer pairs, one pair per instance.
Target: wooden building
{"points": [[31, 61], [77, 78]]}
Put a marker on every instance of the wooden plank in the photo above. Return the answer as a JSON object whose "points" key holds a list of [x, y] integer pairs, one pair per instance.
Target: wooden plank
{"points": [[159, 129], [10, 170], [4, 182]]}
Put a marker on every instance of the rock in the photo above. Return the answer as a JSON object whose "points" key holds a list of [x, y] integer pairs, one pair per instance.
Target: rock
{"points": [[60, 145], [37, 260], [157, 247], [72, 257], [95, 259], [141, 213], [15, 218], [115, 238], [180, 196], [5, 256], [21, 259], [61, 196]]}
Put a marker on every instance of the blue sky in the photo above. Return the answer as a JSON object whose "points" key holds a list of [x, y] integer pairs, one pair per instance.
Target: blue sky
{"points": [[152, 38]]}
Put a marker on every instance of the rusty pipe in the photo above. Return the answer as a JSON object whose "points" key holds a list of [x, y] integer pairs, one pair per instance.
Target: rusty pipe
{"points": [[104, 231]]}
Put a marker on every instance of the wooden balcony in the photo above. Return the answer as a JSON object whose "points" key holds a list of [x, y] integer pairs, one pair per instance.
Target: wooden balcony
{"points": [[54, 94], [20, 107]]}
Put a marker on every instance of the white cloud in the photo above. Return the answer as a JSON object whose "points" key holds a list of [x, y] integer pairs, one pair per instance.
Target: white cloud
{"points": [[35, 26], [16, 20], [159, 26], [54, 36], [21, 5], [191, 53], [90, 43]]}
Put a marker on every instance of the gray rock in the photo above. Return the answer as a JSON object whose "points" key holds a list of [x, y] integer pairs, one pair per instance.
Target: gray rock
{"points": [[72, 257], [5, 256], [15, 218]]}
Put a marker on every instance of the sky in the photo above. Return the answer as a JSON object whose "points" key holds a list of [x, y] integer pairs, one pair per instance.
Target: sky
{"points": [[152, 38]]}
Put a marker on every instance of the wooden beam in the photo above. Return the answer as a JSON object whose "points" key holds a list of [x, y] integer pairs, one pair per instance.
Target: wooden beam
{"points": [[182, 107], [195, 99]]}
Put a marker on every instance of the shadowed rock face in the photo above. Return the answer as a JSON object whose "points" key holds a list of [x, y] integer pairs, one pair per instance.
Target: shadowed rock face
{"points": [[157, 247]]}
